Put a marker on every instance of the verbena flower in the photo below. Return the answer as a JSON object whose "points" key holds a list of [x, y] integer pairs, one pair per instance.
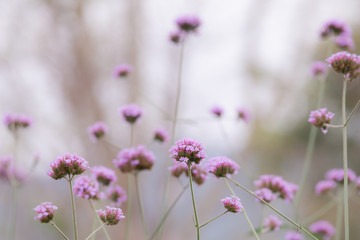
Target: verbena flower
{"points": [[122, 70], [335, 27], [110, 216], [272, 223], [15, 121], [293, 235], [320, 118], [198, 174], [232, 204], [45, 212], [188, 23], [324, 229], [97, 131], [265, 194], [84, 187], [104, 175], [130, 159], [131, 113], [178, 168], [67, 165], [176, 36], [187, 150], [324, 186], [161, 135], [243, 114], [318, 69], [8, 171], [345, 42], [345, 63], [277, 184], [217, 111], [222, 166], [337, 175], [117, 195]]}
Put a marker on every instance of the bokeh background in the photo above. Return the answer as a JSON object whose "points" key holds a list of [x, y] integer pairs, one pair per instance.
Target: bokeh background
{"points": [[56, 65]]}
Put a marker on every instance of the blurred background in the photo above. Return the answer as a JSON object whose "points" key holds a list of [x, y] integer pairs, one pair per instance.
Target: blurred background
{"points": [[56, 65]]}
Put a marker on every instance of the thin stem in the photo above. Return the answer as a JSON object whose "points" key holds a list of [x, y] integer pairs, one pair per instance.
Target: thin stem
{"points": [[73, 207], [202, 225], [131, 135], [143, 222], [320, 212], [245, 215], [15, 188], [352, 113], [168, 212], [58, 229], [95, 231], [346, 197], [339, 216], [129, 207], [274, 209], [193, 201], [96, 216]]}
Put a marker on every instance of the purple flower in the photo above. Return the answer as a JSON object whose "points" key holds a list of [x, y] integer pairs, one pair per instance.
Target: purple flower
{"points": [[323, 228], [178, 168], [5, 163], [335, 27], [67, 165], [318, 69], [222, 166], [131, 113], [117, 195], [176, 37], [324, 186], [84, 187], [198, 174], [345, 42], [265, 194], [243, 114], [45, 212], [104, 175], [232, 204], [345, 63], [217, 111], [97, 131], [15, 121], [187, 150], [337, 175], [272, 223], [161, 135], [188, 23], [292, 235], [122, 70], [130, 159], [277, 184], [320, 118], [110, 216]]}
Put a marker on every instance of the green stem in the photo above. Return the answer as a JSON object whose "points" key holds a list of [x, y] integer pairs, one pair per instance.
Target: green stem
{"points": [[15, 188], [352, 113], [202, 225], [245, 215], [143, 222], [58, 229], [346, 196], [96, 216], [102, 225], [339, 216], [168, 212], [132, 135], [274, 209], [320, 212], [194, 206], [73, 207], [129, 207]]}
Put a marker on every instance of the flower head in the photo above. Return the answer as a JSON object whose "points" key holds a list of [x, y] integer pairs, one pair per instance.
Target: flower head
{"points": [[188, 23], [117, 195], [243, 114], [104, 175], [14, 121], [161, 135], [272, 223], [318, 69], [131, 113], [337, 175], [265, 194], [84, 187], [45, 212], [323, 228], [345, 42], [217, 111], [67, 165], [320, 118], [176, 36], [324, 186], [123, 70], [8, 171], [335, 27], [110, 216], [178, 168], [198, 174], [345, 63], [277, 184], [97, 131], [187, 150], [130, 159], [232, 204], [293, 235], [222, 166]]}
